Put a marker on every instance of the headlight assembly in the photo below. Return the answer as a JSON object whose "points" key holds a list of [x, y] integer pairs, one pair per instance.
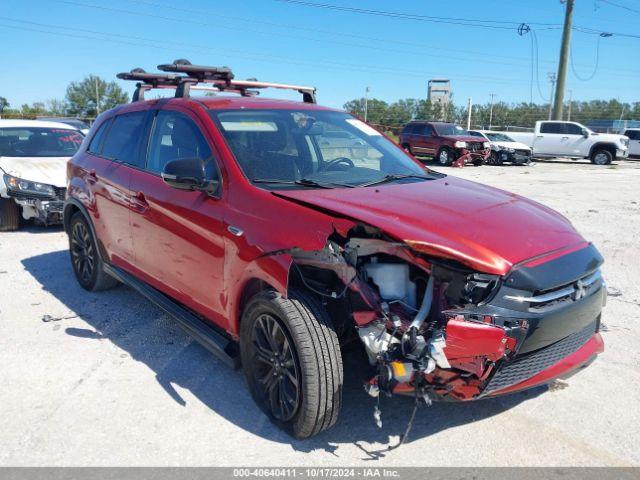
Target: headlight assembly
{"points": [[486, 144], [19, 185], [460, 144]]}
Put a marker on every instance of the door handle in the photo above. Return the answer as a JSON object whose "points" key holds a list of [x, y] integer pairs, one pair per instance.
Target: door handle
{"points": [[139, 202], [565, 138], [235, 231]]}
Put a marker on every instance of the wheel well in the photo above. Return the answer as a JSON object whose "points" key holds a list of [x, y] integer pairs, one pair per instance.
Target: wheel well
{"points": [[250, 289], [69, 211], [603, 146]]}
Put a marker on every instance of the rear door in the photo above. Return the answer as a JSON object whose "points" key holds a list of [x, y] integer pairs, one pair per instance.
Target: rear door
{"points": [[112, 151], [428, 140], [549, 140], [178, 235]]}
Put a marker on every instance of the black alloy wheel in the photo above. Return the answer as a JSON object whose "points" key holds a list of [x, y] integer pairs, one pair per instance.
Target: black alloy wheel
{"points": [[275, 369], [82, 253]]}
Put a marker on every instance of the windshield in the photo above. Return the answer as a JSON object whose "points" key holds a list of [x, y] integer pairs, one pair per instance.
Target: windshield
{"points": [[39, 142], [449, 129], [280, 149], [499, 137]]}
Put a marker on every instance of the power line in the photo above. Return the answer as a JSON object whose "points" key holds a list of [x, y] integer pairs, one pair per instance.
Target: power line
{"points": [[473, 22], [595, 68], [614, 4]]}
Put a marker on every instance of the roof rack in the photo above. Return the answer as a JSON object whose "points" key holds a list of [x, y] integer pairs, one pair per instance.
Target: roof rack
{"points": [[221, 79]]}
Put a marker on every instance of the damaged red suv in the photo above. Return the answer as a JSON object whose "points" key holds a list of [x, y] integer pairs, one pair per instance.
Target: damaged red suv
{"points": [[274, 245]]}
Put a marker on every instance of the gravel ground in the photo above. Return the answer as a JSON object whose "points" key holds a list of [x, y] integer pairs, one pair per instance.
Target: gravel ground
{"points": [[110, 380]]}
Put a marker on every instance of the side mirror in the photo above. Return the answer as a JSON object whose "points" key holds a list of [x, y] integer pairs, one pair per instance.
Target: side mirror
{"points": [[188, 174], [585, 133]]}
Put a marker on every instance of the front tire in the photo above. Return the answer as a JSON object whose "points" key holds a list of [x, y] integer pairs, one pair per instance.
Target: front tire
{"points": [[85, 259], [601, 157], [445, 157], [494, 158], [292, 362], [9, 215]]}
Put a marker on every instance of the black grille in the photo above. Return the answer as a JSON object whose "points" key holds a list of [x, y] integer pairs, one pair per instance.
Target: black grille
{"points": [[524, 153], [60, 193], [527, 366], [474, 146]]}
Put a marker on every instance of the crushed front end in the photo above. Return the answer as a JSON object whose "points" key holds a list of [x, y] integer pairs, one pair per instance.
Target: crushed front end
{"points": [[439, 330], [39, 201]]}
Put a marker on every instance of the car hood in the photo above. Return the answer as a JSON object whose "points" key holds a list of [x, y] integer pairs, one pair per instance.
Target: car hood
{"points": [[465, 138], [515, 145], [482, 227], [608, 137], [49, 170]]}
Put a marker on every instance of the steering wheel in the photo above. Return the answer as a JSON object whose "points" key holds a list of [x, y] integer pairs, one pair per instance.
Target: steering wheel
{"points": [[337, 161]]}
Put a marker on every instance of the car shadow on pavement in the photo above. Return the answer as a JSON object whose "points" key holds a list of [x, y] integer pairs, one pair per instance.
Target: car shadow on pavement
{"points": [[147, 335]]}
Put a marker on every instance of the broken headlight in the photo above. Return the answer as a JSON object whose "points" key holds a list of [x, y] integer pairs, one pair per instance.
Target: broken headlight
{"points": [[19, 185], [479, 287]]}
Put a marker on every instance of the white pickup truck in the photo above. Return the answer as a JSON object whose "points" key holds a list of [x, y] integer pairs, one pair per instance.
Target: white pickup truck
{"points": [[573, 140]]}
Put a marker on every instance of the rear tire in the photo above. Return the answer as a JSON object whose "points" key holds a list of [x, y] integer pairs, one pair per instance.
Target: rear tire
{"points": [[601, 157], [445, 157], [85, 257], [9, 215], [296, 377]]}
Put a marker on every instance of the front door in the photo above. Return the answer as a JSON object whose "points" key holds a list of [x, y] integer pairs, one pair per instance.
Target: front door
{"points": [[178, 235]]}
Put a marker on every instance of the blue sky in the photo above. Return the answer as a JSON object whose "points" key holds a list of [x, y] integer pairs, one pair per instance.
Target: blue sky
{"points": [[338, 52]]}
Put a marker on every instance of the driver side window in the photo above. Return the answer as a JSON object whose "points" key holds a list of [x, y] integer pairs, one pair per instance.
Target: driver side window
{"points": [[175, 136]]}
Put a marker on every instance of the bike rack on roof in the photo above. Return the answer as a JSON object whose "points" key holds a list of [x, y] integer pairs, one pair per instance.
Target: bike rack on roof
{"points": [[221, 79]]}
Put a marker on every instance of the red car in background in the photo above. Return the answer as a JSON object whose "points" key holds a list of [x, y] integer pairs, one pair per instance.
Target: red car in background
{"points": [[447, 143], [275, 245]]}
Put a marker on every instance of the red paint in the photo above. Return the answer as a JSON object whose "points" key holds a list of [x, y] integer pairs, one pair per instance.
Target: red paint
{"points": [[470, 345], [452, 218]]}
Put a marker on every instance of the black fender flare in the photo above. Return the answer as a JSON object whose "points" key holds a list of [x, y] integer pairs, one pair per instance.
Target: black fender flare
{"points": [[73, 203], [603, 146]]}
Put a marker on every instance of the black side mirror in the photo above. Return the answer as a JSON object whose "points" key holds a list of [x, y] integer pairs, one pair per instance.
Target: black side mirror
{"points": [[585, 133], [188, 174]]}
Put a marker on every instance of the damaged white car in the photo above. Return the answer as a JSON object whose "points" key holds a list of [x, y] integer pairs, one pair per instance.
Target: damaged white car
{"points": [[33, 165]]}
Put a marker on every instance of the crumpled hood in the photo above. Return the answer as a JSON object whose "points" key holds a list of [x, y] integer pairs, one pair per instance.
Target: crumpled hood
{"points": [[514, 145], [49, 170], [465, 138], [482, 227]]}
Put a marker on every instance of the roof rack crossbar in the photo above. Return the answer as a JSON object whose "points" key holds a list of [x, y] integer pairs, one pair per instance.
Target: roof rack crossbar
{"points": [[221, 78]]}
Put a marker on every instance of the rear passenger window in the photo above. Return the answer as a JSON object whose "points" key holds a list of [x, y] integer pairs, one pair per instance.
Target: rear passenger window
{"points": [[124, 139], [552, 127], [175, 136], [96, 141]]}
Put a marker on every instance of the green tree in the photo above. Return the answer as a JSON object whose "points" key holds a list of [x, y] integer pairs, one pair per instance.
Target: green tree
{"points": [[4, 103], [83, 97], [376, 109]]}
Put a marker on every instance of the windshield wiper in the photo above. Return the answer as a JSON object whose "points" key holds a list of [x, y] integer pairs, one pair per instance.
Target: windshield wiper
{"points": [[391, 178], [305, 182]]}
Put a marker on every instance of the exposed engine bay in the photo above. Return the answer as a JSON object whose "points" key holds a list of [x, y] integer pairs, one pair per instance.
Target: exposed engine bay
{"points": [[416, 317]]}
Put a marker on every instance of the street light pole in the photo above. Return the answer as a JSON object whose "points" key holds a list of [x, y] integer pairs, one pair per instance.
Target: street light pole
{"points": [[366, 103], [97, 98], [570, 103], [491, 110], [470, 106], [552, 79]]}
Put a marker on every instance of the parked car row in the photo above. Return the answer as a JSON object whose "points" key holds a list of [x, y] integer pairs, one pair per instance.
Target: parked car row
{"points": [[450, 144]]}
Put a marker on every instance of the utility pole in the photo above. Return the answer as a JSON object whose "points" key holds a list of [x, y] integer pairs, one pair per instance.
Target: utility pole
{"points": [[366, 102], [97, 98], [552, 79], [491, 110], [564, 58], [570, 103], [469, 107]]}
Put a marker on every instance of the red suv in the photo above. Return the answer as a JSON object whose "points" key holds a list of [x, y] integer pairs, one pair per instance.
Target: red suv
{"points": [[275, 246], [446, 142]]}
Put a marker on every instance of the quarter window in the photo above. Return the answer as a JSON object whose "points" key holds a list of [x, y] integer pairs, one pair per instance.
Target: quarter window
{"points": [[175, 136], [96, 141], [124, 139]]}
